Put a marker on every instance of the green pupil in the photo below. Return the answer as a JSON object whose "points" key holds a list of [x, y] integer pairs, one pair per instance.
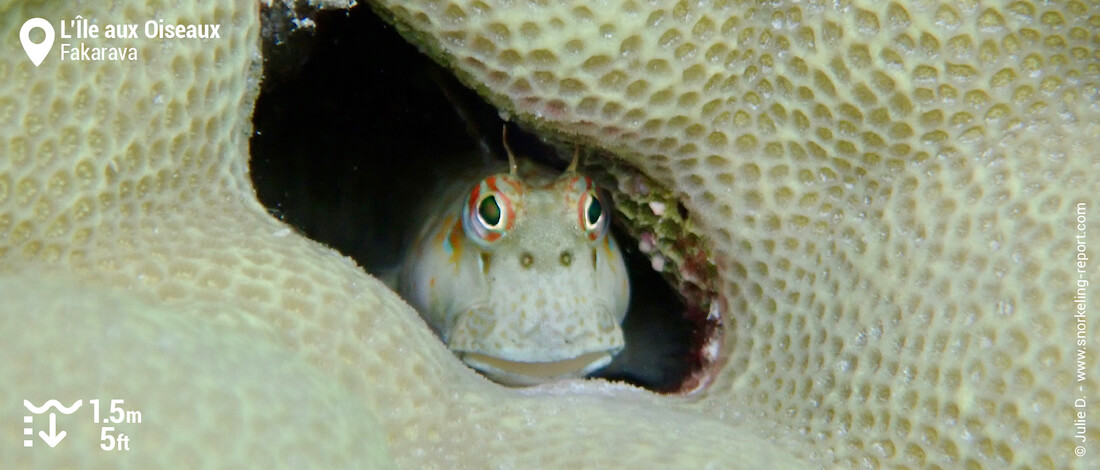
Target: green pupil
{"points": [[489, 210], [594, 210]]}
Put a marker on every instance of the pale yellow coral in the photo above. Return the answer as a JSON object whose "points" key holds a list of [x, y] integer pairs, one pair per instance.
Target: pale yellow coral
{"points": [[889, 192]]}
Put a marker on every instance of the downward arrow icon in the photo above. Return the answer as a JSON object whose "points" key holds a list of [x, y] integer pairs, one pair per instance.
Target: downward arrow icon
{"points": [[53, 438]]}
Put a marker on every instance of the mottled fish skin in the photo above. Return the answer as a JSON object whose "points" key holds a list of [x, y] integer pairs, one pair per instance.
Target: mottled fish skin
{"points": [[520, 276]]}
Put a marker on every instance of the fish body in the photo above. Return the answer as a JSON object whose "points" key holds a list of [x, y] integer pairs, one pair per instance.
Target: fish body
{"points": [[518, 274]]}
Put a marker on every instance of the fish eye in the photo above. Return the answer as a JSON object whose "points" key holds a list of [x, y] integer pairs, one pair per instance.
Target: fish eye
{"points": [[593, 213], [488, 212]]}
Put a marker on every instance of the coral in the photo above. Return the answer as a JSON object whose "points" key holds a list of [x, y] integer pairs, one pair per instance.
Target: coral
{"points": [[888, 193]]}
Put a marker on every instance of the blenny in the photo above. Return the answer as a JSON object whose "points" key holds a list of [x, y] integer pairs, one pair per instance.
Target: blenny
{"points": [[517, 272]]}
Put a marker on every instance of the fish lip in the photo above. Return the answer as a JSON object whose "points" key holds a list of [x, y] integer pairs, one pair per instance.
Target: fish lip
{"points": [[513, 353], [533, 373]]}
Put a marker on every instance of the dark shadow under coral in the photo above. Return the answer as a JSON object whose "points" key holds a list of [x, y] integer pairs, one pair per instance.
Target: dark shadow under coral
{"points": [[353, 127]]}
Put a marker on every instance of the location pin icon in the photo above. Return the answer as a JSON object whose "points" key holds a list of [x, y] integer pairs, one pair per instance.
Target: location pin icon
{"points": [[37, 52]]}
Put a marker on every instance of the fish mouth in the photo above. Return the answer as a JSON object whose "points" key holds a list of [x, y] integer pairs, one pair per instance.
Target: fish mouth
{"points": [[533, 373]]}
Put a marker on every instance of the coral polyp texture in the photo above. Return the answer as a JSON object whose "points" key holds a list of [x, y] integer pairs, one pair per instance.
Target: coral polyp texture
{"points": [[889, 193]]}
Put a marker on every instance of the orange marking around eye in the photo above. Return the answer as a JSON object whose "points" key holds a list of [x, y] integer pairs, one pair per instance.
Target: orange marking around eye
{"points": [[580, 215], [508, 209], [475, 194], [510, 213]]}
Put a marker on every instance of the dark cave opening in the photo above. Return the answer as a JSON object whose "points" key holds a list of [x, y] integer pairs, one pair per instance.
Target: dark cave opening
{"points": [[351, 124]]}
